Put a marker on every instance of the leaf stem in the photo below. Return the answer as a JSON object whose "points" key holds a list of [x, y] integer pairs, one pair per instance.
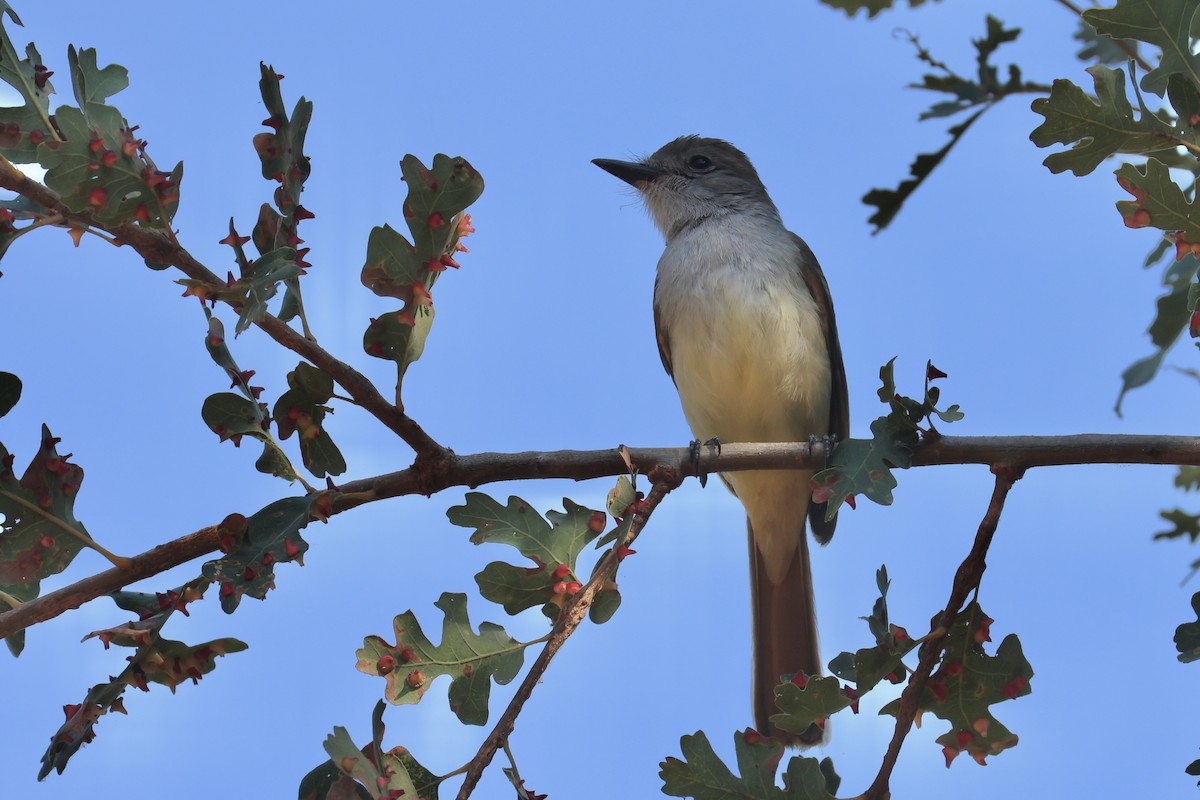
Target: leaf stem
{"points": [[121, 562]]}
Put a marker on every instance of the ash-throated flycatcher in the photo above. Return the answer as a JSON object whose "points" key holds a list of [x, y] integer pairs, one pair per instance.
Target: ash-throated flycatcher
{"points": [[746, 330]]}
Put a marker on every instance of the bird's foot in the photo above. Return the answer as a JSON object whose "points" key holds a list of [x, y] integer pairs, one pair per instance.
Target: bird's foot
{"points": [[695, 446], [827, 442]]}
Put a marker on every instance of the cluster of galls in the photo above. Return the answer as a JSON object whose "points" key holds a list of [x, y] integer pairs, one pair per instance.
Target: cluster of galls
{"points": [[417, 295], [562, 588], [975, 742], [270, 147], [132, 150], [11, 133], [415, 679], [82, 718]]}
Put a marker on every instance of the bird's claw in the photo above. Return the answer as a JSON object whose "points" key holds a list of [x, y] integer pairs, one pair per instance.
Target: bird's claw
{"points": [[694, 446], [827, 442]]}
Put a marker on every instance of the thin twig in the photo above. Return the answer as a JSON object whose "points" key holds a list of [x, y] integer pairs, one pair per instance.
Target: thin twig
{"points": [[482, 468], [966, 580], [157, 246], [664, 480]]}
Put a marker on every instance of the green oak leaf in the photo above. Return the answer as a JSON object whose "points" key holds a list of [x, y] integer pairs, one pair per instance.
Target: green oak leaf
{"points": [[384, 777], [870, 665], [282, 152], [872, 7], [1187, 635], [79, 727], [23, 127], [553, 547], [819, 699], [887, 202], [472, 660], [1183, 524], [100, 168], [301, 410], [1098, 128], [13, 596], [399, 336], [283, 160], [392, 267], [1166, 24], [705, 777], [1101, 49], [1164, 203], [172, 663], [91, 83], [326, 782], [864, 466], [1188, 478], [10, 392], [1173, 314], [39, 535], [153, 610], [436, 195], [969, 682], [254, 546], [261, 281], [232, 416], [154, 660]]}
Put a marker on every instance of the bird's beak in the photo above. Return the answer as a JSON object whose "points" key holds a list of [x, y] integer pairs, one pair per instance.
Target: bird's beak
{"points": [[631, 172]]}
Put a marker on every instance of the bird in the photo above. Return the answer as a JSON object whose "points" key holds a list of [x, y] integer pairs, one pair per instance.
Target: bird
{"points": [[746, 330]]}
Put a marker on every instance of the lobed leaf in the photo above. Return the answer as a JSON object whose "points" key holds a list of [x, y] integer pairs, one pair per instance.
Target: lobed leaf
{"points": [[437, 196], [802, 706], [869, 665], [39, 535], [472, 660], [553, 547], [301, 409], [23, 127], [872, 7], [154, 660], [968, 683], [1099, 128], [1166, 24], [1187, 635], [254, 546], [10, 392], [701, 773]]}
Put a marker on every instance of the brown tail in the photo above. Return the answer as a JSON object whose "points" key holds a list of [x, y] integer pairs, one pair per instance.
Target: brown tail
{"points": [[785, 636]]}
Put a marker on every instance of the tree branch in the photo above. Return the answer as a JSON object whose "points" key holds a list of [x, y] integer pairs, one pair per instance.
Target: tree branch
{"points": [[966, 580], [154, 245], [664, 480], [477, 469]]}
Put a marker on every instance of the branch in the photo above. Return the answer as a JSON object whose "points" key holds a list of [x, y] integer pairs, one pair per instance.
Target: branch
{"points": [[664, 480], [966, 580], [480, 468], [156, 246]]}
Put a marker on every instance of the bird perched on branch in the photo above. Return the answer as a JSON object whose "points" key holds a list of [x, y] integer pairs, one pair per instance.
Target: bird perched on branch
{"points": [[746, 329]]}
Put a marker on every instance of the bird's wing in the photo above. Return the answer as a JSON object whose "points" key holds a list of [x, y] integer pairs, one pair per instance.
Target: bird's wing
{"points": [[660, 333], [839, 399]]}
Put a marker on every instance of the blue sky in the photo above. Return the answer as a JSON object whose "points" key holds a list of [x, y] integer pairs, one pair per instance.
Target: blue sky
{"points": [[1023, 286]]}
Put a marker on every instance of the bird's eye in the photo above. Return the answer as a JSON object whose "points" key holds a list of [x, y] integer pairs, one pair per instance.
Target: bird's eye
{"points": [[700, 162]]}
